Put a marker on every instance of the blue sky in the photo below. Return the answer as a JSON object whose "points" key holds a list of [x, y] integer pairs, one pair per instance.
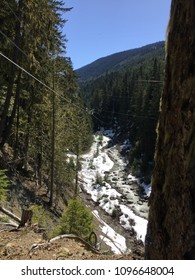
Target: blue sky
{"points": [[97, 28]]}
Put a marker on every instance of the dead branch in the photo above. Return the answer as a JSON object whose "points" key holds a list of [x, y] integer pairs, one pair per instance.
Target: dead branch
{"points": [[72, 236], [78, 238], [9, 224], [10, 214]]}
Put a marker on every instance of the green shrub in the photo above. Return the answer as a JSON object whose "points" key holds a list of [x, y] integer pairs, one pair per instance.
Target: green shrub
{"points": [[3, 185], [116, 213], [4, 219], [43, 218], [76, 219]]}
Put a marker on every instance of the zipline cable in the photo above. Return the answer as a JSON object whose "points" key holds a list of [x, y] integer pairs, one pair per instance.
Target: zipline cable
{"points": [[36, 79], [46, 86], [13, 43]]}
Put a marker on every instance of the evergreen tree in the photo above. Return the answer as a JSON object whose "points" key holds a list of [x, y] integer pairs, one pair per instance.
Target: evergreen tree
{"points": [[34, 114], [76, 219]]}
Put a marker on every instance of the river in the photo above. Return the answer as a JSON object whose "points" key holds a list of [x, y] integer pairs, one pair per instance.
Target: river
{"points": [[115, 197]]}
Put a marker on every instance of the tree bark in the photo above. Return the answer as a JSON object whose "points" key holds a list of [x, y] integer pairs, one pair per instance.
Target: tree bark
{"points": [[171, 227], [52, 141], [7, 131], [26, 218]]}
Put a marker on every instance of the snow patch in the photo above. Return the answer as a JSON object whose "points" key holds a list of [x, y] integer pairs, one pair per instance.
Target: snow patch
{"points": [[102, 162], [147, 188], [140, 224], [115, 241]]}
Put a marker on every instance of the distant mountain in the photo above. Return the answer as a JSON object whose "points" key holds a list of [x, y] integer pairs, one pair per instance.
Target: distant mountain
{"points": [[119, 61]]}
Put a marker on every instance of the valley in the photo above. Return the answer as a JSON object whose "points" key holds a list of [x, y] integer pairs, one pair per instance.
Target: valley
{"points": [[118, 202], [117, 199]]}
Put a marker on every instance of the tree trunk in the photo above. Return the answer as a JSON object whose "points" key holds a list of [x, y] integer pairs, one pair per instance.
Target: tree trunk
{"points": [[52, 142], [77, 169], [12, 73], [171, 227], [16, 145], [27, 138], [26, 218], [7, 131], [9, 94]]}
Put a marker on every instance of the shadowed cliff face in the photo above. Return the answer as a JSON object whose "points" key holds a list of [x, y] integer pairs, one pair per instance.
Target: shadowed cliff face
{"points": [[171, 227]]}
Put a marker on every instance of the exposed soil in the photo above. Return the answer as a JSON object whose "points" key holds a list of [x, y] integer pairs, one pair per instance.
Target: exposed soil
{"points": [[20, 245]]}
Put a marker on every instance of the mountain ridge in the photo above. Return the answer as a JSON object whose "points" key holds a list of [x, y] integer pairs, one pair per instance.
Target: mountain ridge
{"points": [[118, 61]]}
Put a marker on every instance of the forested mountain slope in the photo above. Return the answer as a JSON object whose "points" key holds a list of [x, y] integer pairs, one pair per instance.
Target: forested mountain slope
{"points": [[40, 112], [120, 61], [128, 101]]}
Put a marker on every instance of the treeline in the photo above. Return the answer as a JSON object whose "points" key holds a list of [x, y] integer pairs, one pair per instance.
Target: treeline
{"points": [[41, 116], [129, 101]]}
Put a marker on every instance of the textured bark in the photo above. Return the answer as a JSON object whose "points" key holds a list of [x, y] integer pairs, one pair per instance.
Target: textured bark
{"points": [[7, 131], [26, 218], [171, 227]]}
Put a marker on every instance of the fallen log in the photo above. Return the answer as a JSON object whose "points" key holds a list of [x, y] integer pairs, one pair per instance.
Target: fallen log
{"points": [[7, 227], [78, 238], [9, 224], [71, 236], [10, 214]]}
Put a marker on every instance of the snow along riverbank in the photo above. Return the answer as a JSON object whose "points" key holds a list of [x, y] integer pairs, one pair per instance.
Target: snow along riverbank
{"points": [[103, 177]]}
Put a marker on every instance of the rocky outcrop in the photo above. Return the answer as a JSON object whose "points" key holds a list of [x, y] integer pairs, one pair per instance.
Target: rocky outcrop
{"points": [[171, 227]]}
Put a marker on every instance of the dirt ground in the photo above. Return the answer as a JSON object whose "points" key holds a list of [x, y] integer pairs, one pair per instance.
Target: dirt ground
{"points": [[20, 245]]}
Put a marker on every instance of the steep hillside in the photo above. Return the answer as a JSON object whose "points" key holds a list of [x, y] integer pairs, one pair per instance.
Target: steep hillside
{"points": [[128, 101], [120, 227], [27, 244], [119, 61]]}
